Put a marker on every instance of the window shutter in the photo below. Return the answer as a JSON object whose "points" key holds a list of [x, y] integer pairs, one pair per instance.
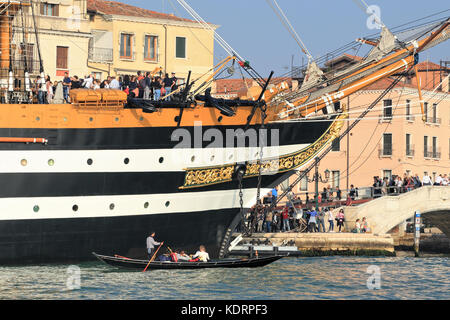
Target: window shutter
{"points": [[61, 57], [56, 10], [42, 8]]}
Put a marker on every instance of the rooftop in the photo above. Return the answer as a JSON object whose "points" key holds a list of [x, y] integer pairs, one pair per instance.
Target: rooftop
{"points": [[122, 9]]}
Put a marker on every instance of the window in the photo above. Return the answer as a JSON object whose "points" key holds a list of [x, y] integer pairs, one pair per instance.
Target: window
{"points": [[425, 146], [434, 150], [180, 47], [126, 46], [387, 144], [62, 57], [387, 174], [425, 111], [336, 177], [335, 145], [50, 9], [408, 110], [151, 48], [304, 183], [435, 120], [387, 109], [409, 151]]}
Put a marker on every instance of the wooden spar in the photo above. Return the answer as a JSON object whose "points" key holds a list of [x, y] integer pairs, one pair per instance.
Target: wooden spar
{"points": [[351, 88], [332, 97], [426, 41], [23, 140], [372, 43], [424, 118]]}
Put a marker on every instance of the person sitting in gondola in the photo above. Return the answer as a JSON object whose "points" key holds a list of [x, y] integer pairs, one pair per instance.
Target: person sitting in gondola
{"points": [[200, 255], [182, 256]]}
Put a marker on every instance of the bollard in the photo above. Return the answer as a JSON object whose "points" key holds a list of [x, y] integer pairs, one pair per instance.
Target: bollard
{"points": [[416, 233]]}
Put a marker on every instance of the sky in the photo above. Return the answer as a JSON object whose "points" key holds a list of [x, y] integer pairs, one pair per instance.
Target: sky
{"points": [[252, 28]]}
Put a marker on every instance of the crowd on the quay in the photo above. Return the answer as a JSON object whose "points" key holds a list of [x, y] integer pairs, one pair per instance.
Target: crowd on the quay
{"points": [[142, 85], [266, 218], [396, 184]]}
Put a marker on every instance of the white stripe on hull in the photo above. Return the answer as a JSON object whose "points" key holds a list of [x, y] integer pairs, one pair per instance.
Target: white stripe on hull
{"points": [[123, 205], [139, 160]]}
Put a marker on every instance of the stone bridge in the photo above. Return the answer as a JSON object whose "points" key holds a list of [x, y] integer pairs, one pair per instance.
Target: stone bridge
{"points": [[385, 213]]}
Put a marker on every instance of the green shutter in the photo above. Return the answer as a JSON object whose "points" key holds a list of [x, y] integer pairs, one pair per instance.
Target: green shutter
{"points": [[180, 47]]}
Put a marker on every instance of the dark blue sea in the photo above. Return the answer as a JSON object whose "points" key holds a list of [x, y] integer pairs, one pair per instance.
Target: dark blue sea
{"points": [[291, 278]]}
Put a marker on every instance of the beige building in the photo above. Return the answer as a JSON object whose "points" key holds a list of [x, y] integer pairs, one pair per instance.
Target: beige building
{"points": [[392, 139], [127, 39], [64, 34]]}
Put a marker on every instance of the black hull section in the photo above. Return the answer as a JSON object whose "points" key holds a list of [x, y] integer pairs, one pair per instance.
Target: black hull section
{"points": [[149, 137], [73, 240]]}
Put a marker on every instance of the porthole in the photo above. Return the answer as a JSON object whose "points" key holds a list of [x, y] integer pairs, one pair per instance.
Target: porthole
{"points": [[51, 162], [111, 206], [116, 119], [230, 157], [176, 119], [161, 160], [141, 118], [65, 119], [24, 162], [38, 119], [146, 205], [126, 161], [36, 208], [90, 162], [167, 203], [91, 119], [212, 158], [75, 208], [192, 158], [219, 118]]}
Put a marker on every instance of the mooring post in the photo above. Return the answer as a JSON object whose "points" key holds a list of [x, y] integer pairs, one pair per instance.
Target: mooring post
{"points": [[416, 233]]}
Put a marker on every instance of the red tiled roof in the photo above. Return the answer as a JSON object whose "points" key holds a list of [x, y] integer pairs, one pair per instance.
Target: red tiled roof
{"points": [[119, 8]]}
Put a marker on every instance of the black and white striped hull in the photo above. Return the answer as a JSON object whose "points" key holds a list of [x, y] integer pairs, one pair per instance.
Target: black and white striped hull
{"points": [[104, 190]]}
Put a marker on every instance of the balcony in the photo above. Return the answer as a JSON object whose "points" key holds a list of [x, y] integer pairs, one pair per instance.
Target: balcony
{"points": [[433, 120], [432, 154], [410, 151], [382, 118], [100, 55], [385, 151]]}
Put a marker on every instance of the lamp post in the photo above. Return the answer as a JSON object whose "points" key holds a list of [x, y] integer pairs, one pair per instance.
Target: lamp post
{"points": [[318, 177]]}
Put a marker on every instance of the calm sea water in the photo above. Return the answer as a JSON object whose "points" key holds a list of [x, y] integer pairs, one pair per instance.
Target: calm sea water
{"points": [[287, 279]]}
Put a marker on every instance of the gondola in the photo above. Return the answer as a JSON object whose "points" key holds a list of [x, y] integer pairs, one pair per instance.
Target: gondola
{"points": [[137, 264]]}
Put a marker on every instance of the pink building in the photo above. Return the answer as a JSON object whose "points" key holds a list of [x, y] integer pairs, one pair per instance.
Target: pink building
{"points": [[392, 139]]}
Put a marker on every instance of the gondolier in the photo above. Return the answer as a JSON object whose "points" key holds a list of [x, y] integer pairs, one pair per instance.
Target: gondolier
{"points": [[151, 243]]}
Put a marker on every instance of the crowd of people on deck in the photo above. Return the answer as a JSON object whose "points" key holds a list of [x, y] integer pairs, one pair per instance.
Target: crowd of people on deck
{"points": [[145, 86]]}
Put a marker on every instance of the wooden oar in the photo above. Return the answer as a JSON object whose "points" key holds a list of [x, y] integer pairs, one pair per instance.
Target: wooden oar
{"points": [[153, 257]]}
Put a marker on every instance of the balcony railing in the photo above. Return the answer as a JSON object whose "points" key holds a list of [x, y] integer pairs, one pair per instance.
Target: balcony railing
{"points": [[433, 154], [101, 55], [385, 151], [410, 151], [431, 120], [384, 118]]}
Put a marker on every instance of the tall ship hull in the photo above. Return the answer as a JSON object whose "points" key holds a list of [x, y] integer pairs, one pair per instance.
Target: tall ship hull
{"points": [[101, 173], [104, 188]]}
